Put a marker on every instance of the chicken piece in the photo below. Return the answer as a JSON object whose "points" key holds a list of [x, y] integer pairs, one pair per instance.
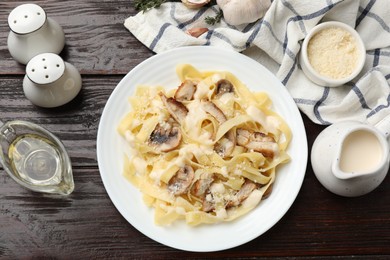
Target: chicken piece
{"points": [[201, 186], [180, 183], [214, 111], [258, 142], [226, 145], [243, 193], [208, 203], [185, 91]]}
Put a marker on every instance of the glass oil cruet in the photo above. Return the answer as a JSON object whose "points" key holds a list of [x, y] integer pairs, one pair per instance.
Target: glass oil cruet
{"points": [[35, 158]]}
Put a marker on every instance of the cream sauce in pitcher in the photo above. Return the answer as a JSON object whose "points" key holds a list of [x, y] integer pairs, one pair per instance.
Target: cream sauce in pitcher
{"points": [[361, 152], [351, 158]]}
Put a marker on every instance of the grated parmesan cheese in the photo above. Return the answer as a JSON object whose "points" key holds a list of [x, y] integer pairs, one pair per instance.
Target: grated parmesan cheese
{"points": [[333, 52]]}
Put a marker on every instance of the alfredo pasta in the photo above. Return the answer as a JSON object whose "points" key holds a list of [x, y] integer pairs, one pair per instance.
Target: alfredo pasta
{"points": [[206, 151]]}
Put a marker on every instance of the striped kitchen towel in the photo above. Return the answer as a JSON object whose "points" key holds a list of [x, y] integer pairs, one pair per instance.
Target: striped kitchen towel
{"points": [[275, 41]]}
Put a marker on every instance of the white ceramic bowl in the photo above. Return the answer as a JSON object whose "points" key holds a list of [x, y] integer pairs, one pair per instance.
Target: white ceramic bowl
{"points": [[315, 76]]}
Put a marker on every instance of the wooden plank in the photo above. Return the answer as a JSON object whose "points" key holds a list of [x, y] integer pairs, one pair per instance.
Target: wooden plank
{"points": [[87, 225], [96, 40], [75, 123]]}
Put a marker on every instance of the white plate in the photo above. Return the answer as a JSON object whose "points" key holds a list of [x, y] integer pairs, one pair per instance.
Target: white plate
{"points": [[161, 70]]}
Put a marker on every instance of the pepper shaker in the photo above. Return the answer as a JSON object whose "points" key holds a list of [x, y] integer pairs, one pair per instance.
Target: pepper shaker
{"points": [[49, 81], [32, 33]]}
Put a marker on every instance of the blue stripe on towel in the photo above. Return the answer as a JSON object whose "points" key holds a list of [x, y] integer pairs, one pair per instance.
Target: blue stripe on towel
{"points": [[317, 113], [382, 23], [253, 35], [190, 21], [364, 11], [285, 80], [159, 35], [377, 55], [303, 101], [379, 108], [360, 95]]}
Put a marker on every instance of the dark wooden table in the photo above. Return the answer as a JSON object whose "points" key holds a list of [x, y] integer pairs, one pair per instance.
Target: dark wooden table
{"points": [[87, 225]]}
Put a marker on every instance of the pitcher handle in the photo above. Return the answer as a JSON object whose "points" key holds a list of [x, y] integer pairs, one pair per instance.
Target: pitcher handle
{"points": [[384, 126]]}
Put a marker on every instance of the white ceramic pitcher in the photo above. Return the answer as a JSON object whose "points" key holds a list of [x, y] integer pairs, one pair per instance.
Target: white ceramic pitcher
{"points": [[351, 158]]}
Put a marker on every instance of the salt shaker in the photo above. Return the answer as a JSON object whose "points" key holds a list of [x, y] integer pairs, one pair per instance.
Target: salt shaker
{"points": [[49, 81], [32, 33]]}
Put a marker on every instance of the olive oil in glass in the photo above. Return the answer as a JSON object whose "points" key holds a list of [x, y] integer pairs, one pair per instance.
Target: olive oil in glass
{"points": [[35, 158]]}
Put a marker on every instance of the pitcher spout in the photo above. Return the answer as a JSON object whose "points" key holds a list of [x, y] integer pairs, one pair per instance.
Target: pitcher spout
{"points": [[363, 152]]}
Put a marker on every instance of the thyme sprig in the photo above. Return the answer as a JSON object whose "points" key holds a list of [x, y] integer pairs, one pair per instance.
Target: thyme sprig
{"points": [[214, 20], [145, 5]]}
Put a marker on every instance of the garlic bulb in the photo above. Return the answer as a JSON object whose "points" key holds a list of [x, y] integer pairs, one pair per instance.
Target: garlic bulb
{"points": [[193, 4], [236, 12]]}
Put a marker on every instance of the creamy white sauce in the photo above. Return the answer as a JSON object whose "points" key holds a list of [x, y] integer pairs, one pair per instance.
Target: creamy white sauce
{"points": [[196, 149], [224, 171], [361, 152], [180, 210], [225, 98], [217, 188], [195, 114], [156, 174], [216, 77], [253, 199], [221, 213], [268, 122], [130, 138], [139, 165], [202, 90]]}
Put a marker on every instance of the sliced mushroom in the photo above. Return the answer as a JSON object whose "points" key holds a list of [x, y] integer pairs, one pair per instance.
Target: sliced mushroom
{"points": [[196, 32], [177, 110], [224, 86], [243, 193], [181, 181], [258, 142], [193, 4], [185, 91], [201, 186], [165, 138]]}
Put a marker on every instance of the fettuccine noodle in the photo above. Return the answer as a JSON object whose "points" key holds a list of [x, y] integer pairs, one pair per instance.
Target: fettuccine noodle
{"points": [[206, 151]]}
